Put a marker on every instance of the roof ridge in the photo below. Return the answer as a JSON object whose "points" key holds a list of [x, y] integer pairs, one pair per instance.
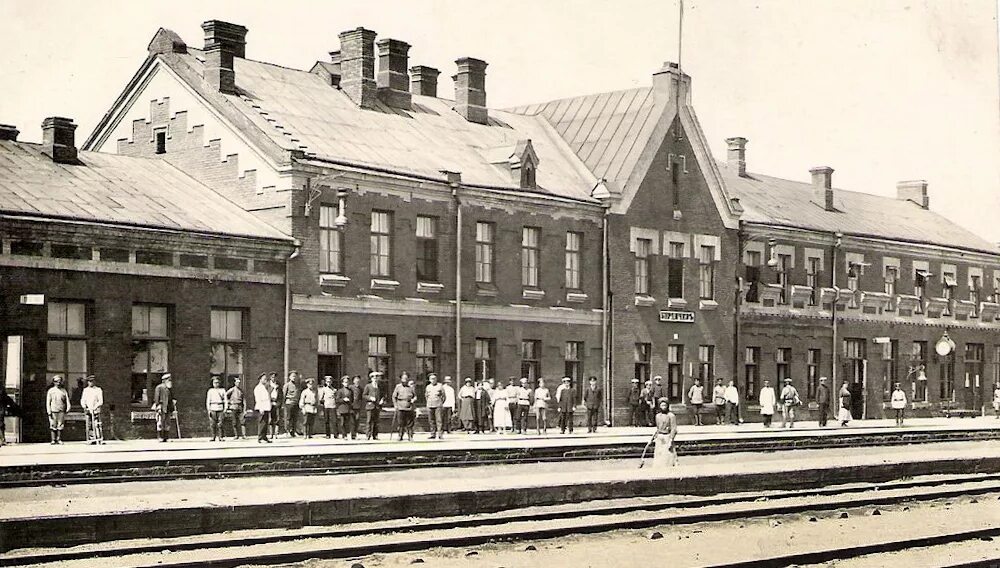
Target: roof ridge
{"points": [[514, 109]]}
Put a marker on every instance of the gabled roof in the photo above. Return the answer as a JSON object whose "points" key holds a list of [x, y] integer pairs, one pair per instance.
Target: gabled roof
{"points": [[776, 201], [607, 131], [298, 110], [120, 190]]}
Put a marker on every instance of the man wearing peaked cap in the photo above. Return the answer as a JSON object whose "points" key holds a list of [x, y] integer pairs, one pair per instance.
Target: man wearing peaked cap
{"points": [[634, 402], [566, 402]]}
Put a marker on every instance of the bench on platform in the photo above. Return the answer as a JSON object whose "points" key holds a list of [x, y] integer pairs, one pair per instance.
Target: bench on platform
{"points": [[959, 413]]}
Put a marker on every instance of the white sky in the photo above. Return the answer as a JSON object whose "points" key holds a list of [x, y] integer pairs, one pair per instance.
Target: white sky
{"points": [[879, 90]]}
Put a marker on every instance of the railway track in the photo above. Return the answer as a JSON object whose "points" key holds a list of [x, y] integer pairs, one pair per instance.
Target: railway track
{"points": [[540, 523]]}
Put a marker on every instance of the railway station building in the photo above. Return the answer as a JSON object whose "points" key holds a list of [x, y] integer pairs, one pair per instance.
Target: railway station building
{"points": [[589, 236]]}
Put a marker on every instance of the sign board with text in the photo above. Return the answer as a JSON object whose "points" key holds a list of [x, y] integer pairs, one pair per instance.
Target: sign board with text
{"points": [[676, 316]]}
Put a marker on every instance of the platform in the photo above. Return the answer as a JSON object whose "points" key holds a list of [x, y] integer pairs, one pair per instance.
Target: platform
{"points": [[76, 462], [65, 516]]}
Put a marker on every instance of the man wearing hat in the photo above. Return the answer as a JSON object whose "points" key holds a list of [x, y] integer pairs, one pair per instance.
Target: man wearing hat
{"points": [[92, 400], [789, 400], [593, 399], [634, 399], [822, 401], [373, 398], [164, 405], [566, 402], [523, 408]]}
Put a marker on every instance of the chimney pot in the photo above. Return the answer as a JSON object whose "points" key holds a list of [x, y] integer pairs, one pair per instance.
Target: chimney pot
{"points": [[915, 191], [393, 79], [9, 132], [822, 179], [59, 139], [424, 80], [357, 66], [470, 90], [223, 43], [736, 154]]}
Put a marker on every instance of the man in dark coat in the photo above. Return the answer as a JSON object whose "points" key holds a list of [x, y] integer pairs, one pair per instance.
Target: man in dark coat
{"points": [[659, 391], [7, 408], [566, 402], [373, 399], [822, 401], [634, 402], [345, 402], [164, 406], [593, 398], [291, 399], [357, 407]]}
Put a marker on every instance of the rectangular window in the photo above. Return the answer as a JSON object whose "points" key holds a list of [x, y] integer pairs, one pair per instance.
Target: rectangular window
{"points": [[675, 372], [427, 249], [66, 346], [812, 373], [642, 248], [920, 288], [784, 280], [751, 357], [812, 278], [428, 348], [150, 351], [975, 292], [331, 250], [891, 276], [706, 273], [531, 359], [484, 253], [919, 374], [752, 276], [890, 357], [330, 356], [160, 138], [783, 365], [996, 371], [643, 361], [853, 278], [227, 344], [949, 283], [530, 237], [573, 367], [675, 271], [975, 353], [485, 358], [706, 364], [380, 350], [573, 244], [381, 244]]}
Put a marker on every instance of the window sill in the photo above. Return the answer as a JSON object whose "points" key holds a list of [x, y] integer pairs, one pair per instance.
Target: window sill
{"points": [[708, 305], [532, 294], [576, 297], [676, 303], [337, 280], [429, 287], [486, 290], [384, 284], [645, 301]]}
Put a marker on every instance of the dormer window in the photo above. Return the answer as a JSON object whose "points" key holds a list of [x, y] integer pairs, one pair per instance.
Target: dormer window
{"points": [[518, 161], [160, 139], [528, 176]]}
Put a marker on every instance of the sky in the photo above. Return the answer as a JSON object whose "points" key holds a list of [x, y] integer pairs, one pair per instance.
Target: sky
{"points": [[880, 90]]}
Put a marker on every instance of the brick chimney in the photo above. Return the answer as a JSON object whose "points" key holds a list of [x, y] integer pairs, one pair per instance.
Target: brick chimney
{"points": [[9, 132], [470, 90], [736, 154], [915, 191], [393, 80], [357, 66], [59, 139], [424, 81], [822, 180], [223, 43]]}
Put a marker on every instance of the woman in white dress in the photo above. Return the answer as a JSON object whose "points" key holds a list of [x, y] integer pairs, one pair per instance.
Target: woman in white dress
{"points": [[664, 451], [501, 412]]}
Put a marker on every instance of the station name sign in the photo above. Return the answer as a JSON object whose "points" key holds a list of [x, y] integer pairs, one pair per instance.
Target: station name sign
{"points": [[676, 316]]}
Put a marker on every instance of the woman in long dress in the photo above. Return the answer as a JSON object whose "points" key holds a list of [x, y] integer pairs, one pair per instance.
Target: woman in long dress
{"points": [[664, 451], [501, 412], [844, 415], [466, 403]]}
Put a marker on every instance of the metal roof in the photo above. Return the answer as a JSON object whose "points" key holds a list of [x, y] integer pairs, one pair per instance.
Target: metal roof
{"points": [[607, 131], [108, 188], [298, 110], [777, 201]]}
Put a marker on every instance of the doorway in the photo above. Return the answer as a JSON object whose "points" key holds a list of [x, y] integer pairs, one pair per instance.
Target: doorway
{"points": [[13, 370], [855, 374]]}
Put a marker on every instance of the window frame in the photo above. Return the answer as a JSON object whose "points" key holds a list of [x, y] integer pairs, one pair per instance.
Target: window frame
{"points": [[381, 251], [531, 359], [233, 348], [381, 359], [531, 253], [643, 248], [427, 249], [485, 239], [484, 360], [706, 272], [145, 342], [65, 340], [574, 246], [331, 241]]}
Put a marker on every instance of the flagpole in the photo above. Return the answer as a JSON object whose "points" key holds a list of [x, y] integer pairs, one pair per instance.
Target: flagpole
{"points": [[680, 33]]}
